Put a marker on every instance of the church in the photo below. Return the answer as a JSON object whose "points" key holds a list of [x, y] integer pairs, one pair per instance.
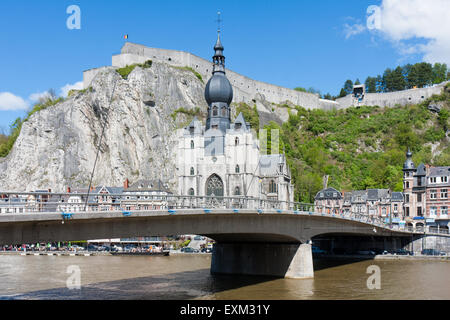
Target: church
{"points": [[225, 158]]}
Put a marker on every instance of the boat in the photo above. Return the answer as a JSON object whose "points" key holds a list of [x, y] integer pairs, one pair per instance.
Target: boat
{"points": [[139, 253]]}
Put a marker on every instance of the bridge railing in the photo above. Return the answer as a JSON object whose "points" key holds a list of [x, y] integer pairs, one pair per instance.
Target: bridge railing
{"points": [[35, 202], [29, 202]]}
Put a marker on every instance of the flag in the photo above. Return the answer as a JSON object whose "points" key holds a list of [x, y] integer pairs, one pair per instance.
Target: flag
{"points": [[125, 36]]}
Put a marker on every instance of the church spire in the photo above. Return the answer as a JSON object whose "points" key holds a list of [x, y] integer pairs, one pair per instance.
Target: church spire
{"points": [[218, 58]]}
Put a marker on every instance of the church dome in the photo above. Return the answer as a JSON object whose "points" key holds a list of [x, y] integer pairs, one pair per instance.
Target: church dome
{"points": [[218, 89]]}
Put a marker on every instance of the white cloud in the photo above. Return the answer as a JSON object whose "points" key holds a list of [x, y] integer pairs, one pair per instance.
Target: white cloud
{"points": [[415, 26], [351, 30], [9, 101], [77, 86], [35, 97]]}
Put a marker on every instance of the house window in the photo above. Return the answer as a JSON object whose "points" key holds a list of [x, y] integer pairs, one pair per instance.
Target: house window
{"points": [[407, 198], [191, 192], [444, 179], [433, 211], [192, 171], [444, 193], [419, 197], [272, 187], [433, 194], [444, 210], [192, 144], [395, 207], [237, 169], [419, 211], [407, 184], [383, 211], [419, 181], [407, 211]]}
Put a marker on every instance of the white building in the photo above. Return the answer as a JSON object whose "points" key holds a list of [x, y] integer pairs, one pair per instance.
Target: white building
{"points": [[224, 158]]}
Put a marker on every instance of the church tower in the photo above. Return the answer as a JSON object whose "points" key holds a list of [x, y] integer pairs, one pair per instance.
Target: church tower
{"points": [[218, 95]]}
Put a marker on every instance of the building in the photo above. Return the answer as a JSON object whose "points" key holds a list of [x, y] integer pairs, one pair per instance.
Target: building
{"points": [[329, 201], [225, 158], [426, 194], [105, 199], [145, 195]]}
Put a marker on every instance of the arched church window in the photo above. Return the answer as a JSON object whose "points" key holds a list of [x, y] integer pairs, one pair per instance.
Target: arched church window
{"points": [[224, 112], [237, 191], [191, 192], [237, 169], [192, 171], [214, 186], [192, 144], [272, 187], [236, 141], [215, 111]]}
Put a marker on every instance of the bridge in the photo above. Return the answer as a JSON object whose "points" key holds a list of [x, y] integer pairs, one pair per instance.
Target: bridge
{"points": [[253, 236]]}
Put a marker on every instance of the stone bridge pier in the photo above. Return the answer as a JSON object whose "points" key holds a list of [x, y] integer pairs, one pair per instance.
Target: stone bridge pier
{"points": [[289, 260]]}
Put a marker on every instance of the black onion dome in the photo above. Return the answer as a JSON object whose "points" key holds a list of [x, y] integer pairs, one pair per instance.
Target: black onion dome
{"points": [[218, 89]]}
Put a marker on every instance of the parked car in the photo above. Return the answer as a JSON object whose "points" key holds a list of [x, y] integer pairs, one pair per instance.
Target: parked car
{"points": [[188, 250], [198, 238], [376, 250], [403, 252], [433, 252], [367, 252]]}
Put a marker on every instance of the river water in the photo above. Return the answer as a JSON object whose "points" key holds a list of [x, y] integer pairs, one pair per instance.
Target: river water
{"points": [[187, 276]]}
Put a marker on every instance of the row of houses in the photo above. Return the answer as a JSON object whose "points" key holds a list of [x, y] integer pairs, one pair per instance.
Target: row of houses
{"points": [[142, 195], [424, 201]]}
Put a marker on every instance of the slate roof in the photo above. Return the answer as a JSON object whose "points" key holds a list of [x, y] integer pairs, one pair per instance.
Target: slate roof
{"points": [[397, 196], [328, 193]]}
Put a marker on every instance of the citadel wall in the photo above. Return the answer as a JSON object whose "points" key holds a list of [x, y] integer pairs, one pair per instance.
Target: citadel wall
{"points": [[246, 89]]}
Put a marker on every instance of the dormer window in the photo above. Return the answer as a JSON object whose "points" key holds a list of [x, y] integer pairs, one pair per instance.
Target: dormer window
{"points": [[191, 130], [237, 126], [215, 126]]}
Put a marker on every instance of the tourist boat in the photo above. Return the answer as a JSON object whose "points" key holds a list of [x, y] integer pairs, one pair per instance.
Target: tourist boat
{"points": [[140, 253]]}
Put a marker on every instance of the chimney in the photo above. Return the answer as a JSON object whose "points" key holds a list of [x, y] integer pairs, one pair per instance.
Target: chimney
{"points": [[126, 184], [68, 189]]}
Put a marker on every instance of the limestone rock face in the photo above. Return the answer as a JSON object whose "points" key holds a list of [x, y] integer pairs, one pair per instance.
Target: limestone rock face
{"points": [[57, 146]]}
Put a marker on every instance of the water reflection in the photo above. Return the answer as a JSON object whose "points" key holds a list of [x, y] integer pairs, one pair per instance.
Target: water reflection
{"points": [[188, 277]]}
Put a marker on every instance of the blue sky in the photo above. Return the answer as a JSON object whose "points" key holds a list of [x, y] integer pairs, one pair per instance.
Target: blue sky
{"points": [[316, 44]]}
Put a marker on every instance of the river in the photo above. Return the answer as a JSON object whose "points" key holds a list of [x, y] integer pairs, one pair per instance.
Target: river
{"points": [[186, 276]]}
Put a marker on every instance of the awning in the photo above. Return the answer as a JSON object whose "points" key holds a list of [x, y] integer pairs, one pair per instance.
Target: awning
{"points": [[418, 218]]}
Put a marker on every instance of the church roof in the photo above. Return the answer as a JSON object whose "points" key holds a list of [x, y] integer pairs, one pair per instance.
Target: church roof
{"points": [[241, 120]]}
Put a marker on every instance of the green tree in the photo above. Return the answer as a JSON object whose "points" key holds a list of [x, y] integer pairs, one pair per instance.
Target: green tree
{"points": [[371, 84], [439, 73], [348, 86]]}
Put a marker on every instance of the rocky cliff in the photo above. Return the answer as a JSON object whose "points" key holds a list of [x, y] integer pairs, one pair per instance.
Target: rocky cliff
{"points": [[57, 146]]}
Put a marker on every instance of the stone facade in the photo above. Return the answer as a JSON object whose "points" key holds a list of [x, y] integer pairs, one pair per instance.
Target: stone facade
{"points": [[224, 158]]}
